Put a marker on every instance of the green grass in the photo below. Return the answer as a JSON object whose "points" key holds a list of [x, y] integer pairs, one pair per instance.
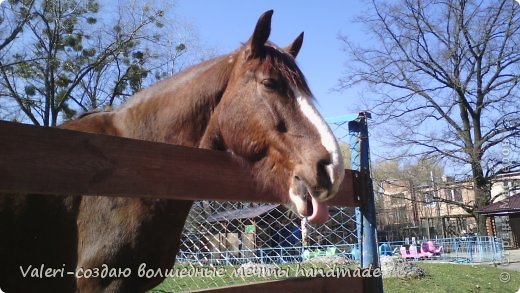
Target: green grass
{"points": [[440, 278], [230, 277], [181, 284], [456, 278]]}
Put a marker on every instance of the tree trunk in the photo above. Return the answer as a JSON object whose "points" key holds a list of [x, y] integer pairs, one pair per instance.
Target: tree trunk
{"points": [[482, 196]]}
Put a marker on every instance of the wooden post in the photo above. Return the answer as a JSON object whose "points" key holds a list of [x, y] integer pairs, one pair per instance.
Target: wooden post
{"points": [[490, 223]]}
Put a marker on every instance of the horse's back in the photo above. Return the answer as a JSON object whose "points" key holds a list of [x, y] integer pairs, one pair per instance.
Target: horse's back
{"points": [[94, 122], [39, 243]]}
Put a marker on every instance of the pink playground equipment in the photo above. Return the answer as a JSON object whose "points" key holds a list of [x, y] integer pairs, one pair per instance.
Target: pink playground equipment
{"points": [[434, 249], [422, 253]]}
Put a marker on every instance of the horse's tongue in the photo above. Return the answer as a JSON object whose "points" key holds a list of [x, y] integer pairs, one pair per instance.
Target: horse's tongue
{"points": [[320, 212]]}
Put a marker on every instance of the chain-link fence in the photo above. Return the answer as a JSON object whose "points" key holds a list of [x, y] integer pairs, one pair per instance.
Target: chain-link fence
{"points": [[227, 243]]}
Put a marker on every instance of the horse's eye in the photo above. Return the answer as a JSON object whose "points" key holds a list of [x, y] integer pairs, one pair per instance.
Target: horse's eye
{"points": [[270, 83]]}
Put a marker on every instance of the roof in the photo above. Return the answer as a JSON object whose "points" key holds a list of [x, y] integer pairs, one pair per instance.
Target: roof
{"points": [[448, 216], [508, 206], [245, 213]]}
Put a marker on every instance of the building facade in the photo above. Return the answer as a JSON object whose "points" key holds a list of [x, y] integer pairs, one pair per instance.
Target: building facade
{"points": [[439, 209]]}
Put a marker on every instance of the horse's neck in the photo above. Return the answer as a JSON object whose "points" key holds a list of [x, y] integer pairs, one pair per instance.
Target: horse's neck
{"points": [[176, 110]]}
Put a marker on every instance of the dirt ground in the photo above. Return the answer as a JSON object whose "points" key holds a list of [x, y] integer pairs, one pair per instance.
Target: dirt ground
{"points": [[394, 266], [512, 260]]}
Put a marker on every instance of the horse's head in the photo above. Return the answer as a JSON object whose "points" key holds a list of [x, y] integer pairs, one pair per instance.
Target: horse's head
{"points": [[266, 116]]}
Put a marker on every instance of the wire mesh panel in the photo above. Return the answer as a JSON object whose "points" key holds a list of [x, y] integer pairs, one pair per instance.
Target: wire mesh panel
{"points": [[226, 243]]}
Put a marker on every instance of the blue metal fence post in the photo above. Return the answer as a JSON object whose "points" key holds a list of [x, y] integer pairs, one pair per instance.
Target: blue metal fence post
{"points": [[355, 153], [366, 214]]}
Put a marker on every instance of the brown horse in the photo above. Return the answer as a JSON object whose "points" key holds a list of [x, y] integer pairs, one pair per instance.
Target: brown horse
{"points": [[253, 103]]}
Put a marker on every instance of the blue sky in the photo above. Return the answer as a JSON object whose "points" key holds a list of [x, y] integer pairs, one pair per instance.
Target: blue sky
{"points": [[224, 24]]}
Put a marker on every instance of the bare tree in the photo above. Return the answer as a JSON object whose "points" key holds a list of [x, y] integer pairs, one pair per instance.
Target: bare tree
{"points": [[444, 75], [75, 55], [419, 172], [164, 49], [13, 17]]}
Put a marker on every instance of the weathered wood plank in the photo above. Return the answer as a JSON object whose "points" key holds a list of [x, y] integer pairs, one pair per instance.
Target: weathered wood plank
{"points": [[57, 161]]}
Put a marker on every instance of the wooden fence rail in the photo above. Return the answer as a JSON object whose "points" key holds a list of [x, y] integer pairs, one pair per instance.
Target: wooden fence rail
{"points": [[56, 161]]}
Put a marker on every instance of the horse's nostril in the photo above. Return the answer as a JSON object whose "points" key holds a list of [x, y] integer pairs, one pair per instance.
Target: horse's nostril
{"points": [[324, 179]]}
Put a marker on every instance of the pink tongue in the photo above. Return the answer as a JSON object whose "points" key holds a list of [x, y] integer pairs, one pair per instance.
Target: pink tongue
{"points": [[320, 212]]}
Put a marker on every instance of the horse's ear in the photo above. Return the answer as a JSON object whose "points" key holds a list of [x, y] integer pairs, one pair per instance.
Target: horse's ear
{"points": [[262, 30], [295, 46]]}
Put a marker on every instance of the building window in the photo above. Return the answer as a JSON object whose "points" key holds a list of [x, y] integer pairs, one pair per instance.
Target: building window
{"points": [[456, 195], [513, 187], [400, 216], [396, 199], [428, 198]]}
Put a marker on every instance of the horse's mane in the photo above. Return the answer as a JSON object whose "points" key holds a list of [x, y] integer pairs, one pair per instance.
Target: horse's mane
{"points": [[286, 64], [91, 112]]}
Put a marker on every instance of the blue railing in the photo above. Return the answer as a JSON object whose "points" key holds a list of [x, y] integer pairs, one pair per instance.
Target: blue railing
{"points": [[460, 249]]}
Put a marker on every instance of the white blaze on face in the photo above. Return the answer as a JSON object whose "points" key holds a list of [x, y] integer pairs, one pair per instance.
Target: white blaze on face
{"points": [[335, 170]]}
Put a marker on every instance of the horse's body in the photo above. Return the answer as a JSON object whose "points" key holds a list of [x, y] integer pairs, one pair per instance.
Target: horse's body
{"points": [[253, 103]]}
